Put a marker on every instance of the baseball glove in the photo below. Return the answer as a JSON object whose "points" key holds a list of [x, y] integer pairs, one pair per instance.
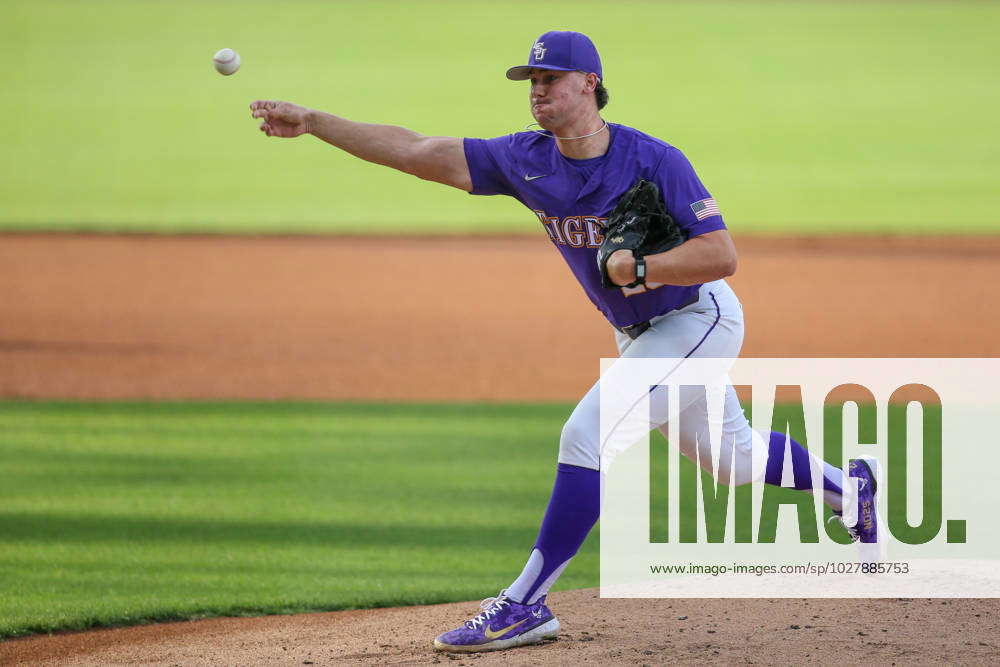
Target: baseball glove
{"points": [[641, 224]]}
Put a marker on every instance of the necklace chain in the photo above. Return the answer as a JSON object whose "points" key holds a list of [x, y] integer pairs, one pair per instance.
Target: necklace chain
{"points": [[546, 133]]}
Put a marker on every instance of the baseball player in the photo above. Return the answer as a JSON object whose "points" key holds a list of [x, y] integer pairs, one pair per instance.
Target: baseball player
{"points": [[676, 304]]}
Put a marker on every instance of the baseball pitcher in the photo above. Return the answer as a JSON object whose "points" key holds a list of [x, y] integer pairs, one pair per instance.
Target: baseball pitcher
{"points": [[648, 245]]}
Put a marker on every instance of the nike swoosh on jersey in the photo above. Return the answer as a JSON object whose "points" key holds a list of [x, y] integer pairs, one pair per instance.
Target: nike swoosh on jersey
{"points": [[493, 634], [531, 178]]}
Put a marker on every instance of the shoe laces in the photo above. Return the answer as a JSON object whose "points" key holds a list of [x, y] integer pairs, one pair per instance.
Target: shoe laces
{"points": [[851, 530], [489, 607]]}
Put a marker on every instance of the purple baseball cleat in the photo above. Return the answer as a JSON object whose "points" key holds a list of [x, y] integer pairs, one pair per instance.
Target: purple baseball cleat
{"points": [[866, 531], [502, 624]]}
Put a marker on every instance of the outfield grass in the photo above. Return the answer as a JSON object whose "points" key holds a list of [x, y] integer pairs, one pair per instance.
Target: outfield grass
{"points": [[127, 513], [124, 513], [801, 117]]}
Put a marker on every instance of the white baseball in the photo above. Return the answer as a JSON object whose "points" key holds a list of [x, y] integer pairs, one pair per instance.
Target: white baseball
{"points": [[226, 61]]}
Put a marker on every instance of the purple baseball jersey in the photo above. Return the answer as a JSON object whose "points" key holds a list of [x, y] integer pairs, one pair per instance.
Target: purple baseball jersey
{"points": [[573, 198]]}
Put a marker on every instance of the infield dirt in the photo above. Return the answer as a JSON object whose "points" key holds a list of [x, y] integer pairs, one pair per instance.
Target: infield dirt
{"points": [[469, 319], [595, 632], [432, 319]]}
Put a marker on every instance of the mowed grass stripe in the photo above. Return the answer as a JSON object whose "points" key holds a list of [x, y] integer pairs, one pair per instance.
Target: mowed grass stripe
{"points": [[127, 513]]}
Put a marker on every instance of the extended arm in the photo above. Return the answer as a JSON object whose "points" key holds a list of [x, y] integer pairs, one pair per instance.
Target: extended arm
{"points": [[698, 260], [439, 159]]}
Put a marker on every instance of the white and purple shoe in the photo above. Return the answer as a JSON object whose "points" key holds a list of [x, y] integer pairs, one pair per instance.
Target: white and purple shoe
{"points": [[866, 531], [502, 623]]}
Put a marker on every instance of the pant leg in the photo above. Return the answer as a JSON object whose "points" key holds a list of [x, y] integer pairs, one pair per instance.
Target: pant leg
{"points": [[739, 444], [711, 327]]}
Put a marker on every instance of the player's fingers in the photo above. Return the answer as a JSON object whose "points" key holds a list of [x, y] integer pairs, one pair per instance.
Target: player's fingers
{"points": [[259, 110], [260, 107]]}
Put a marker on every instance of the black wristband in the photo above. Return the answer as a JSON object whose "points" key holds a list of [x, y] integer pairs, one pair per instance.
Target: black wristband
{"points": [[640, 273]]}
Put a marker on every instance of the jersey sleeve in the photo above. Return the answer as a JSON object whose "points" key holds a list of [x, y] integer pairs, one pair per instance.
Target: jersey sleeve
{"points": [[489, 161], [685, 197]]}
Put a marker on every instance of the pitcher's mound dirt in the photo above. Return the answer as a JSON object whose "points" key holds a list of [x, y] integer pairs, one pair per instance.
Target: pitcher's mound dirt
{"points": [[595, 631]]}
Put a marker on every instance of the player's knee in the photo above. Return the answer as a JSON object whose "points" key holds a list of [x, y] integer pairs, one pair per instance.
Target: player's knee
{"points": [[579, 446]]}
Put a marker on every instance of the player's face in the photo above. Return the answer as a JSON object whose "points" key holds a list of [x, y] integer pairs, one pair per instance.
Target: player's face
{"points": [[557, 98]]}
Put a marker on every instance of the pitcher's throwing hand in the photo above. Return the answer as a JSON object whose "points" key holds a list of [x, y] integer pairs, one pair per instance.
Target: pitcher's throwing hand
{"points": [[281, 119]]}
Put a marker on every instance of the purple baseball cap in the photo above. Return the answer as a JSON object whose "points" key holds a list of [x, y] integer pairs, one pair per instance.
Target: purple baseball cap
{"points": [[561, 50]]}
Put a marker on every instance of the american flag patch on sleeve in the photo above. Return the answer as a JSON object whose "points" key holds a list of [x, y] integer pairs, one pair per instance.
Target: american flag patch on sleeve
{"points": [[705, 208]]}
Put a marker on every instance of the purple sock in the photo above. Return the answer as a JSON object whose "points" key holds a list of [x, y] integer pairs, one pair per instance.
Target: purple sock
{"points": [[800, 465], [573, 510]]}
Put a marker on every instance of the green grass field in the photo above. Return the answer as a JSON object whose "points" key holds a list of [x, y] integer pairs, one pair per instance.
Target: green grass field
{"points": [[800, 117], [124, 513]]}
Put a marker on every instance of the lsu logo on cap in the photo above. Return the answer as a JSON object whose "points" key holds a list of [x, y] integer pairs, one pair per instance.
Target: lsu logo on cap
{"points": [[539, 50]]}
